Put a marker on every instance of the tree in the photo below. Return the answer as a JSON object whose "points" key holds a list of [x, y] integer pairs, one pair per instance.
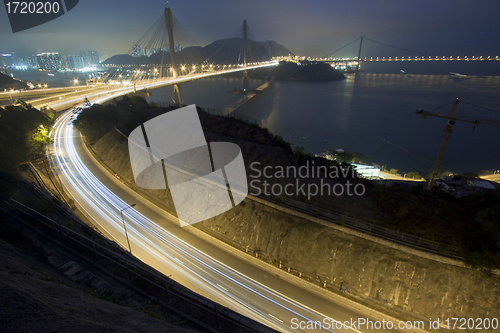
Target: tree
{"points": [[469, 176], [23, 133], [94, 122], [349, 157], [299, 150], [413, 175], [482, 240], [444, 174], [37, 140]]}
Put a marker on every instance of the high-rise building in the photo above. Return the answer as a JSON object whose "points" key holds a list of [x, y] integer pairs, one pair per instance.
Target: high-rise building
{"points": [[177, 48], [83, 55], [75, 62], [136, 51], [7, 60], [26, 62], [22, 63], [93, 58], [50, 61], [32, 61]]}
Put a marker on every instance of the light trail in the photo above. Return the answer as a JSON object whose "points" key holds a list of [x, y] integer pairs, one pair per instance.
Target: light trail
{"points": [[107, 92], [159, 242]]}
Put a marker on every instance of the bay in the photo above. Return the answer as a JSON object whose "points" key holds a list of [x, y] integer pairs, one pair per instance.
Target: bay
{"points": [[374, 113]]}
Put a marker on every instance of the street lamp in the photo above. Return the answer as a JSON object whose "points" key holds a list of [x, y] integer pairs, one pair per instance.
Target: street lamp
{"points": [[10, 96], [124, 227]]}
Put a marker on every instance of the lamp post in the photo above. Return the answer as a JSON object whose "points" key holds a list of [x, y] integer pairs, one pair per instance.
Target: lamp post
{"points": [[124, 227], [10, 96]]}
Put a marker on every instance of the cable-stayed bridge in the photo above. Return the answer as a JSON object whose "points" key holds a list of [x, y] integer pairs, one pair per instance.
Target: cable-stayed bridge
{"points": [[269, 298], [167, 64], [414, 56], [159, 59]]}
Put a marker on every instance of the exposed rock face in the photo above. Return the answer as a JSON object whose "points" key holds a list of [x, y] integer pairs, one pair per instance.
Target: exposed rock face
{"points": [[373, 271]]}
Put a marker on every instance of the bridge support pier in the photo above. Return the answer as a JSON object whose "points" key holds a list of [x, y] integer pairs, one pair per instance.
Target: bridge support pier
{"points": [[359, 54], [170, 25], [177, 95], [245, 82]]}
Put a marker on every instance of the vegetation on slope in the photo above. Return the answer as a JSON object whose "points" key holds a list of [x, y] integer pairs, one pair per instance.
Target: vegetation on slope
{"points": [[468, 222], [23, 134], [306, 71], [7, 83]]}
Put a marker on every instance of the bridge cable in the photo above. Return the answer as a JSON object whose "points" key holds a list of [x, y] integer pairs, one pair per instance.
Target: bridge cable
{"points": [[235, 33], [343, 47], [256, 48], [399, 48]]}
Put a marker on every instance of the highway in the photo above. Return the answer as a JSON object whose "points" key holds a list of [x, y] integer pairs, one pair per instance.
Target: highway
{"points": [[48, 96], [203, 265], [63, 98]]}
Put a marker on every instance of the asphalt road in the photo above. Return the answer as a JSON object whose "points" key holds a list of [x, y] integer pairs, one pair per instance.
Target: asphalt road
{"points": [[63, 98], [247, 286]]}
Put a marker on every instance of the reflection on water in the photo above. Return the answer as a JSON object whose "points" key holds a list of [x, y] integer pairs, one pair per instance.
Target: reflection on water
{"points": [[209, 93], [373, 114]]}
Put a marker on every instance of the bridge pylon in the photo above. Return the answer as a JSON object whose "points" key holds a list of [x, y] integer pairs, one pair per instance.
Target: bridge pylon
{"points": [[245, 45], [170, 26], [270, 57]]}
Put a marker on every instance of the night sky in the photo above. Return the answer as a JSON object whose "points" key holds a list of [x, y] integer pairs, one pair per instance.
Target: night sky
{"points": [[312, 28]]}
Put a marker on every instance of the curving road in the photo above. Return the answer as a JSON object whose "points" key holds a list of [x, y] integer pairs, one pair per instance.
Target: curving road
{"points": [[224, 275]]}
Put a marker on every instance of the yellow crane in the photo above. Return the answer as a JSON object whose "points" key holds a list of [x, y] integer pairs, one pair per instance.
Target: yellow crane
{"points": [[452, 118]]}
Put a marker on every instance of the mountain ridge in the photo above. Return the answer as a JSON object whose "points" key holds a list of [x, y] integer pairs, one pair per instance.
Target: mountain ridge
{"points": [[222, 51]]}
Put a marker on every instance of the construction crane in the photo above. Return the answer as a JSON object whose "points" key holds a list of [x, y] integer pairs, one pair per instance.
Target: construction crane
{"points": [[452, 118]]}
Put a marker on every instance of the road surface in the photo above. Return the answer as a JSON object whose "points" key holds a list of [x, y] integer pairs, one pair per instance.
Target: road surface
{"points": [[198, 263]]}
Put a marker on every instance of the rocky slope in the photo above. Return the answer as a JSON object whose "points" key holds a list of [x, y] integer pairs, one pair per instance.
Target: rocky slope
{"points": [[375, 273]]}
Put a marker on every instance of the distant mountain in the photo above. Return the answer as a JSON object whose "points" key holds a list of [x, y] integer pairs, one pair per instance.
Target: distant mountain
{"points": [[276, 49], [224, 51]]}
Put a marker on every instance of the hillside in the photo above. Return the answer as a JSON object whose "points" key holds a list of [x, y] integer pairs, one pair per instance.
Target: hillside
{"points": [[307, 71], [59, 274], [8, 83], [445, 219], [378, 272], [46, 287]]}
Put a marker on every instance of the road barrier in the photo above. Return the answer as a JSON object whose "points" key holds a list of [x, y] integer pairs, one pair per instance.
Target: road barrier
{"points": [[144, 280], [419, 243], [358, 224]]}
